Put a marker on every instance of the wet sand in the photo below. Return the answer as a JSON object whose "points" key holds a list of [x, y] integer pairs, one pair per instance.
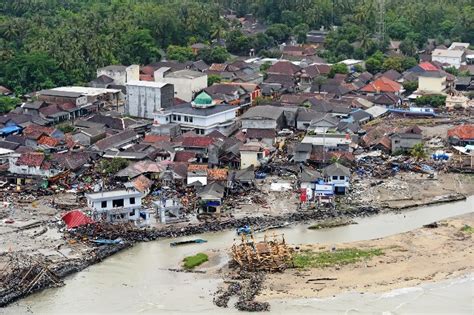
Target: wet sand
{"points": [[410, 259]]}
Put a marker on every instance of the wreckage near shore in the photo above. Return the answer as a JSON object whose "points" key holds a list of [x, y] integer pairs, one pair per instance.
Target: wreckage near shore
{"points": [[272, 254]]}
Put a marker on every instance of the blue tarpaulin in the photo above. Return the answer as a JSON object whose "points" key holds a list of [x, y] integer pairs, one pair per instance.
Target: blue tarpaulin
{"points": [[5, 131]]}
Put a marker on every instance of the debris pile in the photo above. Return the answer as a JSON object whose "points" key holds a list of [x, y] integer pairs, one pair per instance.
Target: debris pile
{"points": [[245, 286], [23, 275], [269, 255]]}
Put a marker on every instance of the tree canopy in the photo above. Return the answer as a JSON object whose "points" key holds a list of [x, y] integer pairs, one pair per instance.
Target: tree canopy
{"points": [[45, 43]]}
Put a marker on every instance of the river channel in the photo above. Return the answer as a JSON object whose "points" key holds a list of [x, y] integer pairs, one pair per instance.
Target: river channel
{"points": [[137, 280]]}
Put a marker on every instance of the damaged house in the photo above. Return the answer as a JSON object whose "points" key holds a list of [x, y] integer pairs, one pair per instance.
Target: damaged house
{"points": [[119, 206], [339, 176], [33, 164]]}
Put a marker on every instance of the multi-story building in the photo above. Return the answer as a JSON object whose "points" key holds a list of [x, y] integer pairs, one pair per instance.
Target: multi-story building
{"points": [[117, 206], [144, 98], [202, 115], [186, 82]]}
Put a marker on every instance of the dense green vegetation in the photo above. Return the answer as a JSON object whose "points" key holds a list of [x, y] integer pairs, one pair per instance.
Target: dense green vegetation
{"points": [[467, 229], [310, 259], [8, 103], [431, 100], [193, 261], [418, 151], [112, 166], [410, 21], [44, 43]]}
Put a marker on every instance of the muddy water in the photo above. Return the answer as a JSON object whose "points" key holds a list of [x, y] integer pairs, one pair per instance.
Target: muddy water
{"points": [[136, 280]]}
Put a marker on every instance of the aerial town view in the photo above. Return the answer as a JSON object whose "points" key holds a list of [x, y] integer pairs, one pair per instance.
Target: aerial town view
{"points": [[227, 157]]}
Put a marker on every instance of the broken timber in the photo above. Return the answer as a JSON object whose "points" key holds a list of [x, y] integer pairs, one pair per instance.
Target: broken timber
{"points": [[268, 255]]}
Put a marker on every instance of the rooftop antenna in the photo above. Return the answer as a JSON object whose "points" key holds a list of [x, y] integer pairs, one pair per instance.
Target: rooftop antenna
{"points": [[381, 20]]}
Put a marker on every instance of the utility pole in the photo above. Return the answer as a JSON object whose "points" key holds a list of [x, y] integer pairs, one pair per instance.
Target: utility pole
{"points": [[381, 20]]}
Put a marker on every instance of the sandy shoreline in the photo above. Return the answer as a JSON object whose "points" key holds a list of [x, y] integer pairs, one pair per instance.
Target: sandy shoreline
{"points": [[412, 258]]}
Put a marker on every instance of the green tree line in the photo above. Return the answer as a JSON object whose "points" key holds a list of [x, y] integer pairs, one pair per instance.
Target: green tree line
{"points": [[44, 43]]}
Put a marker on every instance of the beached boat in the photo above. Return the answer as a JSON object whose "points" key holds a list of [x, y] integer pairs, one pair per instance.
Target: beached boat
{"points": [[107, 242], [194, 241]]}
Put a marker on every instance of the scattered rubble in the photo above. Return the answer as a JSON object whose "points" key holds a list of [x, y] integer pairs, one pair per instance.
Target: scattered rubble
{"points": [[245, 285]]}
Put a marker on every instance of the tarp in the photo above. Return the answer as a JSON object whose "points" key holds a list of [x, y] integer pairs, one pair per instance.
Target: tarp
{"points": [[76, 218], [303, 196]]}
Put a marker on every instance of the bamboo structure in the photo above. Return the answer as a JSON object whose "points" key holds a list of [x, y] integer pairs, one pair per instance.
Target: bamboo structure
{"points": [[272, 254]]}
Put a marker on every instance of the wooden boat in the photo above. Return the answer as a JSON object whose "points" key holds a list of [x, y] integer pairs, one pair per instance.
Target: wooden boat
{"points": [[107, 242], [271, 227], [194, 241]]}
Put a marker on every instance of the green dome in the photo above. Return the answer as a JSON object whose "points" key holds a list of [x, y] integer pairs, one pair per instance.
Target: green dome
{"points": [[203, 99]]}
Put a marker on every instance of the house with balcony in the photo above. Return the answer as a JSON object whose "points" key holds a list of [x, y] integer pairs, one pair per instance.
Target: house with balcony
{"points": [[118, 206], [202, 116]]}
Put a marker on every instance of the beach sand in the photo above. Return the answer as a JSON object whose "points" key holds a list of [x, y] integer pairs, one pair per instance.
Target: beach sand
{"points": [[409, 259]]}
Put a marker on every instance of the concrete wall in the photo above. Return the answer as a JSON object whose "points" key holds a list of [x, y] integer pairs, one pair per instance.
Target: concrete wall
{"points": [[433, 85], [185, 88], [399, 143], [302, 125], [28, 170], [119, 77], [97, 205], [341, 181], [453, 61], [259, 123], [208, 123], [248, 158], [201, 179], [143, 101], [133, 73]]}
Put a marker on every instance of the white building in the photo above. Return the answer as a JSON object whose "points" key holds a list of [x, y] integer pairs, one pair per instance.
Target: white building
{"points": [[31, 163], [331, 141], [432, 82], [117, 206], [453, 57], [186, 82], [253, 153], [339, 176], [144, 98], [202, 115], [120, 74]]}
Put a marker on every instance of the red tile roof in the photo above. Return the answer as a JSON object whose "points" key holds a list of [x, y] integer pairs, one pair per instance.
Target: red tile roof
{"points": [[142, 183], [147, 70], [382, 84], [70, 143], [428, 66], [35, 131], [197, 167], [184, 156], [197, 142], [462, 132], [68, 106], [156, 138], [218, 174], [33, 159], [218, 67], [284, 67], [146, 77], [49, 141]]}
